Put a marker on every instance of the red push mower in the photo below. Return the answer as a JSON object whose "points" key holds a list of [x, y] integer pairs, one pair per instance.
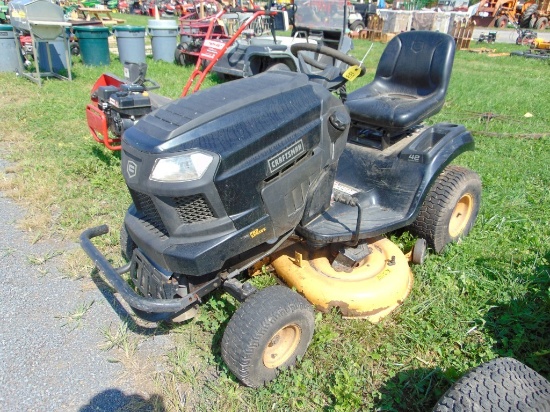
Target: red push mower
{"points": [[194, 30], [117, 104], [219, 24]]}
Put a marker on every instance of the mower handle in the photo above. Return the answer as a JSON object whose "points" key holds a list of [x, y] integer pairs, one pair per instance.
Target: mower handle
{"points": [[154, 84]]}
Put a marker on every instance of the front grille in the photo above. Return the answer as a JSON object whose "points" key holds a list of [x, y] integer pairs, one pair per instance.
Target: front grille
{"points": [[193, 209], [189, 209], [144, 204]]}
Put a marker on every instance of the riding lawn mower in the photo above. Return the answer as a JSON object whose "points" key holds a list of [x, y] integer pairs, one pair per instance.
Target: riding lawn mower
{"points": [[276, 170]]}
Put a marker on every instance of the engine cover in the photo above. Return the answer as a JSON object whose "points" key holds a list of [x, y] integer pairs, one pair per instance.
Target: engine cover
{"points": [[130, 100], [131, 103], [275, 148]]}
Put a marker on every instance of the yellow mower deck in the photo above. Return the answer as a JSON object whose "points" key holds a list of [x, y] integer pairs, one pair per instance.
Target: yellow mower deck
{"points": [[371, 291]]}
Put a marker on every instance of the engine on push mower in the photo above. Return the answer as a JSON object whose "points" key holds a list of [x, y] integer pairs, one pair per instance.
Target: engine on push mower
{"points": [[117, 104], [123, 106]]}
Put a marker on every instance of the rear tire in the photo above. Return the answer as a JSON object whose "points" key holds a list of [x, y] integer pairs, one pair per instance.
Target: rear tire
{"points": [[357, 26], [177, 56], [269, 331], [450, 208], [503, 384], [525, 20], [75, 48], [528, 39]]}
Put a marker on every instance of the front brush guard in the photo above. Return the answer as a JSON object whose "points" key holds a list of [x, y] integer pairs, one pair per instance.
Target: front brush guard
{"points": [[155, 310], [151, 309]]}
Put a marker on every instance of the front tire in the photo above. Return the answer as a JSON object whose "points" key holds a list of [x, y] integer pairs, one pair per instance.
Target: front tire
{"points": [[450, 208], [266, 334], [180, 55]]}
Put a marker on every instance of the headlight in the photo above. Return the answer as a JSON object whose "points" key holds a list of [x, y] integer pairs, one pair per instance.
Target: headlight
{"points": [[183, 168]]}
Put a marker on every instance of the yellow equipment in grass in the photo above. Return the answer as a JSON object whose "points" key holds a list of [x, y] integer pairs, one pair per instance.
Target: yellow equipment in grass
{"points": [[541, 44], [374, 287]]}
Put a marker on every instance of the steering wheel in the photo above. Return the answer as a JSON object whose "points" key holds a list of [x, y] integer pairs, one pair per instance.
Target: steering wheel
{"points": [[330, 76], [296, 48]]}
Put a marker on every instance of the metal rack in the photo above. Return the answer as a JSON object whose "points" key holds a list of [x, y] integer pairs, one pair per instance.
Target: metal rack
{"points": [[45, 23]]}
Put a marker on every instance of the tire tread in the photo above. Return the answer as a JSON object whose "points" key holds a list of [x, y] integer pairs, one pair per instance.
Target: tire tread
{"points": [[429, 222], [252, 321], [503, 384]]}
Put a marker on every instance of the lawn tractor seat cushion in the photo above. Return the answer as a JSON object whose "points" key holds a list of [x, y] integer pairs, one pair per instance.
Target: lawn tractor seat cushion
{"points": [[410, 82]]}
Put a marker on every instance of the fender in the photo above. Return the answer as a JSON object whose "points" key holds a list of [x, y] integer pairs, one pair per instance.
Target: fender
{"points": [[398, 182], [440, 153]]}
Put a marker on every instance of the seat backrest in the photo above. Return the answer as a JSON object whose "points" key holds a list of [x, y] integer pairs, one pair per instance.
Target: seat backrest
{"points": [[417, 63]]}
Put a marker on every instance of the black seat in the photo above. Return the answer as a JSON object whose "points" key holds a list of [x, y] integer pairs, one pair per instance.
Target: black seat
{"points": [[410, 83]]}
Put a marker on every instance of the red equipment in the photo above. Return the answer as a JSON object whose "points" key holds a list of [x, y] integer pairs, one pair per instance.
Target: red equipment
{"points": [[118, 104], [136, 7], [123, 6], [26, 46], [97, 121], [193, 32], [165, 8], [213, 48]]}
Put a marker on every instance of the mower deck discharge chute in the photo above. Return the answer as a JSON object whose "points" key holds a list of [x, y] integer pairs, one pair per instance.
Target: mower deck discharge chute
{"points": [[275, 168]]}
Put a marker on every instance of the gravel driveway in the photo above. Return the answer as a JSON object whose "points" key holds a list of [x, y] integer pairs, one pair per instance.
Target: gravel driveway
{"points": [[52, 330]]}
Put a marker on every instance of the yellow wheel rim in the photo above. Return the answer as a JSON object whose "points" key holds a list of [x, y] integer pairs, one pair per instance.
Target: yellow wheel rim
{"points": [[281, 346], [461, 215]]}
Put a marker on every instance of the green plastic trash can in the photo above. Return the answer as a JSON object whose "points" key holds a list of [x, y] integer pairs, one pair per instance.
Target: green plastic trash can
{"points": [[8, 50], [94, 45], [164, 39], [130, 41]]}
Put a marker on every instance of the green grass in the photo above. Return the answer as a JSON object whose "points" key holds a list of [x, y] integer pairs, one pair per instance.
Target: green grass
{"points": [[483, 298]]}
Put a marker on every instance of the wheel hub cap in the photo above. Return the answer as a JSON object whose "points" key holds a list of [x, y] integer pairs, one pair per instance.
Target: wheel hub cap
{"points": [[461, 215], [281, 346]]}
